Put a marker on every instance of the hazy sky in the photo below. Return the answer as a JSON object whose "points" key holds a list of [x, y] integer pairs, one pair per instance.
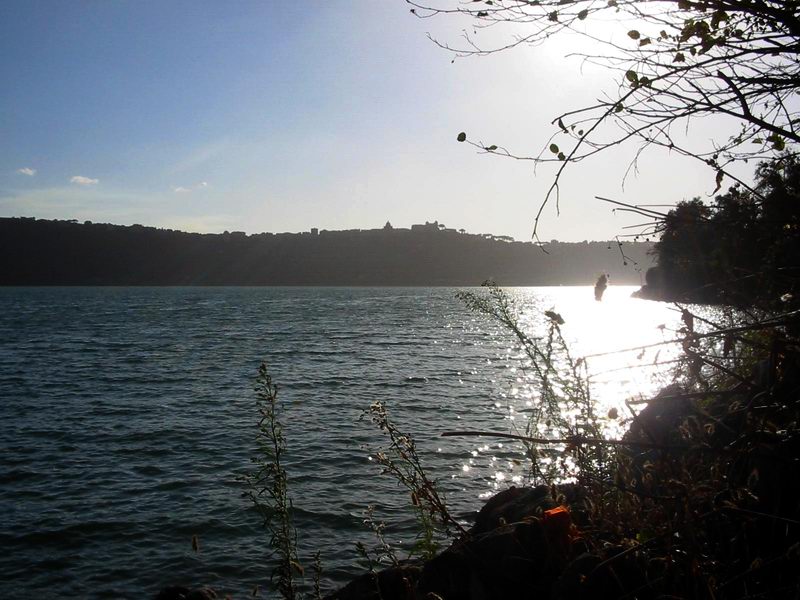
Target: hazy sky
{"points": [[282, 116]]}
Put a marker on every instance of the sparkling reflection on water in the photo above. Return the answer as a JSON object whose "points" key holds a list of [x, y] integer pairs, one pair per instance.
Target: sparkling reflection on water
{"points": [[598, 331], [128, 417]]}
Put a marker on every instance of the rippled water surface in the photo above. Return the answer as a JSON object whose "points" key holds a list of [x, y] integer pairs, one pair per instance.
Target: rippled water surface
{"points": [[128, 418]]}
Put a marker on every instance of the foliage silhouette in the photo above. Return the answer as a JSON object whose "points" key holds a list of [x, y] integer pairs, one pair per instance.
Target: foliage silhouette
{"points": [[741, 250]]}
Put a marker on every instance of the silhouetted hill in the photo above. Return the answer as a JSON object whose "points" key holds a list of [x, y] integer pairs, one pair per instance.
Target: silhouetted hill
{"points": [[41, 252]]}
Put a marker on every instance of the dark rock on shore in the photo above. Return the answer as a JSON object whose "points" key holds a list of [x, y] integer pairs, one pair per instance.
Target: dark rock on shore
{"points": [[394, 583], [177, 592], [523, 545], [520, 546]]}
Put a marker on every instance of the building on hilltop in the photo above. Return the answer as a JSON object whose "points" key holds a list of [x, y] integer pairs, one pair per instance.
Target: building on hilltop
{"points": [[427, 227]]}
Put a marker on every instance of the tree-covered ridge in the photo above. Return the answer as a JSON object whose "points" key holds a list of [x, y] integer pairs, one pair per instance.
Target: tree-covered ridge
{"points": [[742, 249], [39, 252]]}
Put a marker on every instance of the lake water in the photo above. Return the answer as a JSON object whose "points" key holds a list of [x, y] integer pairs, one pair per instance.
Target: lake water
{"points": [[128, 417]]}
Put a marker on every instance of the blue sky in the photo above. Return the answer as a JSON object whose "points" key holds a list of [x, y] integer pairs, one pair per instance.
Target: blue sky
{"points": [[267, 116]]}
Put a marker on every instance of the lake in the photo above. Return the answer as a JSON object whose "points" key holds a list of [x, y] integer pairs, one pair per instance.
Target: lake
{"points": [[128, 419]]}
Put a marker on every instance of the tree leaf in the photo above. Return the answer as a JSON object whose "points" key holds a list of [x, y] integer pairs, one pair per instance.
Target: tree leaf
{"points": [[583, 14], [492, 148], [561, 156], [462, 137], [718, 17], [632, 76], [718, 181], [561, 124], [553, 148], [633, 34]]}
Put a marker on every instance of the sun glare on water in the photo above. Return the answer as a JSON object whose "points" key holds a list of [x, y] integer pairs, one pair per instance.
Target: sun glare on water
{"points": [[621, 338], [623, 347]]}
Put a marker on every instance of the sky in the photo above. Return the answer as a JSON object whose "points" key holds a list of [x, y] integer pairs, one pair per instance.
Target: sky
{"points": [[282, 116]]}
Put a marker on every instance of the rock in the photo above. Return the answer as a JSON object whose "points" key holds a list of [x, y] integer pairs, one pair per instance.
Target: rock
{"points": [[394, 583], [520, 544], [600, 287], [520, 559], [659, 421], [512, 561], [177, 592], [511, 506]]}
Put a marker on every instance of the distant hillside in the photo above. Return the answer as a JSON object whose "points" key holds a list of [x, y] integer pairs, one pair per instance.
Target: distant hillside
{"points": [[41, 252]]}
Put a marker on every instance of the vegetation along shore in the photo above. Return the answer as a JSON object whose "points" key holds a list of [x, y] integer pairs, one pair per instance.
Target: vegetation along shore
{"points": [[698, 499]]}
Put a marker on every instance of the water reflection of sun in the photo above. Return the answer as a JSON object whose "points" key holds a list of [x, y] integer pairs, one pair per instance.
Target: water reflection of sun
{"points": [[600, 331], [621, 341]]}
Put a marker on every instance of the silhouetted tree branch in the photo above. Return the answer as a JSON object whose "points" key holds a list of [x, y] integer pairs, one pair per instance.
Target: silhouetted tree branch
{"points": [[683, 60]]}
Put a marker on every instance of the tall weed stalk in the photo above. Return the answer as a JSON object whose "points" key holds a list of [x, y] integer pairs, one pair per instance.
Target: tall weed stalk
{"points": [[268, 487], [401, 460]]}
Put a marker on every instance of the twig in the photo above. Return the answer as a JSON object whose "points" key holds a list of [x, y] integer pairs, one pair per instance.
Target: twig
{"points": [[580, 440], [766, 324]]}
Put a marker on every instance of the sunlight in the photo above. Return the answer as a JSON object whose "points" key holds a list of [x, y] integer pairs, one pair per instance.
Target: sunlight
{"points": [[609, 335]]}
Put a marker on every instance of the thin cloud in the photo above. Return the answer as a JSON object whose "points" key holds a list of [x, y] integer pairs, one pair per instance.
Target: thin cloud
{"points": [[27, 171], [81, 180], [185, 190]]}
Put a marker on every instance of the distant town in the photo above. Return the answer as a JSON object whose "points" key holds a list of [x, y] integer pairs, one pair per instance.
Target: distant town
{"points": [[50, 252], [419, 228]]}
